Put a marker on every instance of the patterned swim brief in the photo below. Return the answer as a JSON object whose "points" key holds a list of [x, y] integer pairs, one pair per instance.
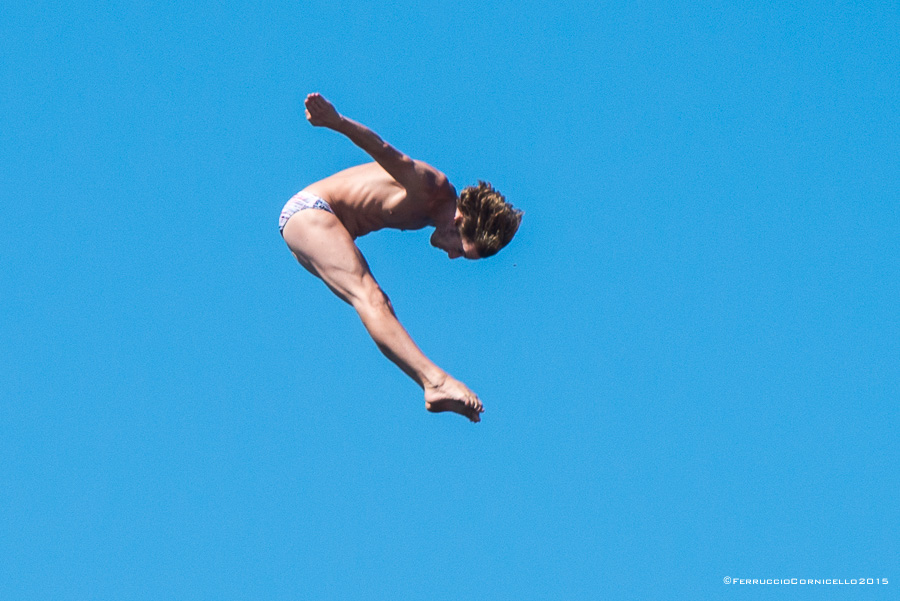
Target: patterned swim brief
{"points": [[299, 202]]}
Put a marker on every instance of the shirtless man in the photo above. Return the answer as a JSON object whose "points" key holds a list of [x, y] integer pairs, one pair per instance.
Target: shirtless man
{"points": [[322, 221]]}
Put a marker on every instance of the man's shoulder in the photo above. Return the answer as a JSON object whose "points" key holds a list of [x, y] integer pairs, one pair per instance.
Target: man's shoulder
{"points": [[436, 183]]}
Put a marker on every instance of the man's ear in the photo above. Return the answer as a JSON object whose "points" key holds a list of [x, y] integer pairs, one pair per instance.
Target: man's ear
{"points": [[458, 217]]}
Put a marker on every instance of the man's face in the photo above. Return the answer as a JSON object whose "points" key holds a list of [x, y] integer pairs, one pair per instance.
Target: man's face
{"points": [[453, 244], [449, 240]]}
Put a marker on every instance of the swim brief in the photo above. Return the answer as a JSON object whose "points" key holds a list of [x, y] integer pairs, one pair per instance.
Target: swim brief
{"points": [[299, 202]]}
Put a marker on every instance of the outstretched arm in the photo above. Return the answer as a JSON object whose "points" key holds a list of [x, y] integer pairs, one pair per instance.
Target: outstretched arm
{"points": [[411, 174]]}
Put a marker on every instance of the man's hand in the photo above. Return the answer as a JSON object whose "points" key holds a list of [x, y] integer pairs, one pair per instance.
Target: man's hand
{"points": [[321, 113]]}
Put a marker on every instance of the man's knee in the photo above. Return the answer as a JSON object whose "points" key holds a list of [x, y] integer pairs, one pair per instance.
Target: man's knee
{"points": [[372, 298]]}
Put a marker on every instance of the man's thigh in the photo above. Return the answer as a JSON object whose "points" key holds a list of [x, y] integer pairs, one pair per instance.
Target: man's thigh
{"points": [[322, 244]]}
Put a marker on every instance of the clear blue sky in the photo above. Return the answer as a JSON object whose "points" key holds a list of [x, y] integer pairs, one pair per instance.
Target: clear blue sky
{"points": [[689, 356]]}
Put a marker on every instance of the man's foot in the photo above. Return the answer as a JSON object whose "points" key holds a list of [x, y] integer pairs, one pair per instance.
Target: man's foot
{"points": [[453, 395], [456, 407]]}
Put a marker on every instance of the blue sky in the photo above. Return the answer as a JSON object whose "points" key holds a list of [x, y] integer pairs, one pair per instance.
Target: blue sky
{"points": [[688, 355]]}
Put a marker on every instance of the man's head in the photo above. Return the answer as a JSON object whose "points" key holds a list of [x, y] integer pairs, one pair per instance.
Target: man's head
{"points": [[486, 222]]}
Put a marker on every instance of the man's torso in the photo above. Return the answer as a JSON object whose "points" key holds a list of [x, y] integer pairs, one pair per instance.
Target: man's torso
{"points": [[366, 198]]}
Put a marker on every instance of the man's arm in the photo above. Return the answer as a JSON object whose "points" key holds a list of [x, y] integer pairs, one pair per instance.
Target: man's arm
{"points": [[412, 175]]}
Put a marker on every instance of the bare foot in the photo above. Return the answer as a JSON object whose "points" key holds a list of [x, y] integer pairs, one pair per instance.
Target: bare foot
{"points": [[453, 395]]}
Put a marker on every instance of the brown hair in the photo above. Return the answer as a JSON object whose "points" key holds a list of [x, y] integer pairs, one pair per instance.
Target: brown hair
{"points": [[489, 222]]}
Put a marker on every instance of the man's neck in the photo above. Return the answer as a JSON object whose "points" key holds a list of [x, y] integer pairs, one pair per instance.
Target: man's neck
{"points": [[442, 209]]}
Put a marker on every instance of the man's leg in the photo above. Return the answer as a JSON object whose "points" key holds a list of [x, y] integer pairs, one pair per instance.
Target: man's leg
{"points": [[323, 246]]}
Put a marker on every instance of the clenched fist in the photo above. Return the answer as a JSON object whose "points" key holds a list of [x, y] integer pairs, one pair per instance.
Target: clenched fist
{"points": [[320, 112]]}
